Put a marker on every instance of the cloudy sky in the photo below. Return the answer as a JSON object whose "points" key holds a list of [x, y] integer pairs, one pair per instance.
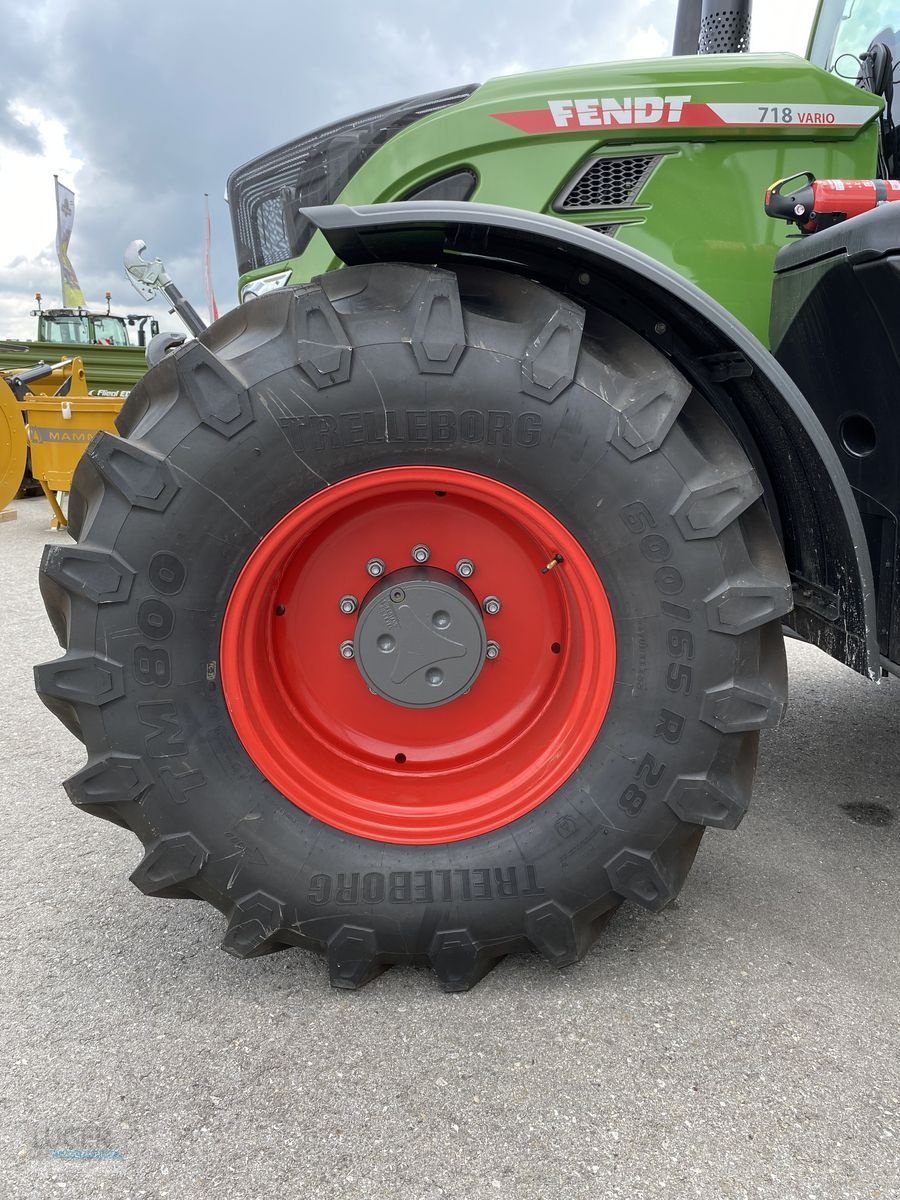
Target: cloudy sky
{"points": [[141, 108]]}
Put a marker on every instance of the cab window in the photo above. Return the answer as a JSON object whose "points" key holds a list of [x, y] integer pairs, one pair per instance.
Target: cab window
{"points": [[847, 28], [110, 332], [862, 23], [65, 329]]}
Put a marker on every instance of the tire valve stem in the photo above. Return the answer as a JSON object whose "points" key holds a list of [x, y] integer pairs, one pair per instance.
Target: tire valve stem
{"points": [[554, 562]]}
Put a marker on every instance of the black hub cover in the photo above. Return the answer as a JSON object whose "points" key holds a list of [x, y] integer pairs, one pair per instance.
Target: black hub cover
{"points": [[420, 639]]}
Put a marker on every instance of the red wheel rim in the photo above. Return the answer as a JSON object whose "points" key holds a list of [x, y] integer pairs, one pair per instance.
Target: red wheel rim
{"points": [[365, 764]]}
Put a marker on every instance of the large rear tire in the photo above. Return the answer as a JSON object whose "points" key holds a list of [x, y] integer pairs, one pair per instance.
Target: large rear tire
{"points": [[469, 802]]}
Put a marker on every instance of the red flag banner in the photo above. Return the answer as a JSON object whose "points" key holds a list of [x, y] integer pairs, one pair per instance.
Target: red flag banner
{"points": [[207, 272]]}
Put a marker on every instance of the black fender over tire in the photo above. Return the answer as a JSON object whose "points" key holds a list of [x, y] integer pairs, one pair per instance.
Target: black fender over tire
{"points": [[386, 365]]}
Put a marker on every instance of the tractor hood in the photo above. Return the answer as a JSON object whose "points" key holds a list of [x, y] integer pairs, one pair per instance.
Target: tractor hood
{"points": [[718, 93], [671, 156]]}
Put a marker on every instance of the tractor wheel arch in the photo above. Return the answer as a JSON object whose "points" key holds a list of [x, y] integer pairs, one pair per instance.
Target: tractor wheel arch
{"points": [[806, 488]]}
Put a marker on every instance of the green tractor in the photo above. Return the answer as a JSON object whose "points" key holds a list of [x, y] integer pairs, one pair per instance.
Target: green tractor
{"points": [[79, 327], [433, 600], [113, 348]]}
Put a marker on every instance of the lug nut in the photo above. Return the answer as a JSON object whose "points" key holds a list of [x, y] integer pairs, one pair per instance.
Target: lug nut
{"points": [[491, 605], [420, 553], [349, 604], [493, 650], [465, 568], [375, 566], [347, 650]]}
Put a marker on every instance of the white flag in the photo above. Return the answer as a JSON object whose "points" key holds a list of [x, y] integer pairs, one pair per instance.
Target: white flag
{"points": [[72, 295]]}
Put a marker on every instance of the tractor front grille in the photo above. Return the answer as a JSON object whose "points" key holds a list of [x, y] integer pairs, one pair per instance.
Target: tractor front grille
{"points": [[609, 182], [267, 194]]}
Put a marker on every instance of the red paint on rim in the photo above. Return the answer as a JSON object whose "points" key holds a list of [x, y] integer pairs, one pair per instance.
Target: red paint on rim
{"points": [[418, 776]]}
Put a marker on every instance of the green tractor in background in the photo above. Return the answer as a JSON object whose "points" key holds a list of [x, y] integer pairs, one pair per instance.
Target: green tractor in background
{"points": [[79, 327], [432, 601], [114, 356]]}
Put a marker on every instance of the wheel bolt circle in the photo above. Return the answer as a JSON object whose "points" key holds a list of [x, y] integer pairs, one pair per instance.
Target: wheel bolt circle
{"points": [[420, 553], [492, 651], [348, 605], [465, 568], [347, 650], [375, 566], [491, 605]]}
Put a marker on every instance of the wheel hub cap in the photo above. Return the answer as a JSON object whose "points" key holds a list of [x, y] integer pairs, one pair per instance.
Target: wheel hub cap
{"points": [[420, 640]]}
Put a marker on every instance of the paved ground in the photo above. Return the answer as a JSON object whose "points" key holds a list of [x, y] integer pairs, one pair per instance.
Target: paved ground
{"points": [[743, 1044]]}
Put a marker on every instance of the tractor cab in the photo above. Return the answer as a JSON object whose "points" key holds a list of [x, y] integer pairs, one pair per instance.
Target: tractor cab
{"points": [[78, 326]]}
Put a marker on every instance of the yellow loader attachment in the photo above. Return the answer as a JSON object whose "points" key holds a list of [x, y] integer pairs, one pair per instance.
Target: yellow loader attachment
{"points": [[49, 418]]}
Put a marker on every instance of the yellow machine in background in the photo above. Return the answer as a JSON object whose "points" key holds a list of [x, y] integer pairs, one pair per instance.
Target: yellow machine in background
{"points": [[46, 415]]}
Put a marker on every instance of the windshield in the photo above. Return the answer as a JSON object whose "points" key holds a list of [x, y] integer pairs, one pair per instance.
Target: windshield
{"points": [[846, 28], [64, 329], [110, 331]]}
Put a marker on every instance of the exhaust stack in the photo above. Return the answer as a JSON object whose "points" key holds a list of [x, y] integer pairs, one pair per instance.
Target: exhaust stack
{"points": [[687, 27], [712, 27], [724, 27]]}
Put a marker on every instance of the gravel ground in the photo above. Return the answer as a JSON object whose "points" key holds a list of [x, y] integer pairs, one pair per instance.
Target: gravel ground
{"points": [[742, 1044]]}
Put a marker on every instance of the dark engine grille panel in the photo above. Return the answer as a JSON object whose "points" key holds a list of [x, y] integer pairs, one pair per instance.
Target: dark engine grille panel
{"points": [[266, 193], [608, 183]]}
